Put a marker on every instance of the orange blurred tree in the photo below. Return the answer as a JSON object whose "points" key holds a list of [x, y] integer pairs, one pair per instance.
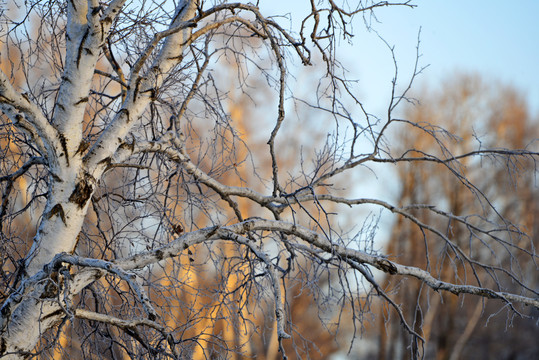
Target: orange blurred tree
{"points": [[477, 115]]}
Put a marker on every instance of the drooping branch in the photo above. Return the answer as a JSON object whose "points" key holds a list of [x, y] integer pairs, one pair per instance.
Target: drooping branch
{"points": [[274, 278], [92, 269], [313, 238]]}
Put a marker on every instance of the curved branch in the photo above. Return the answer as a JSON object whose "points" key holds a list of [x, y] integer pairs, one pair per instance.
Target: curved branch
{"points": [[379, 262], [27, 117]]}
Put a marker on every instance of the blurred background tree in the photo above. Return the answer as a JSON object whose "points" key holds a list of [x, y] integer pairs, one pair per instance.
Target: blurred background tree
{"points": [[478, 114]]}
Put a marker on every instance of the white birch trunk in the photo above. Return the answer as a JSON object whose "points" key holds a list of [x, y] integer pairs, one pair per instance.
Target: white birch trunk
{"points": [[73, 178]]}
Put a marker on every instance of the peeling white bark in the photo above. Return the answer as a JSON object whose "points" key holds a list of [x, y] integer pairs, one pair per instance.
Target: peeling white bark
{"points": [[62, 221], [27, 323], [72, 181]]}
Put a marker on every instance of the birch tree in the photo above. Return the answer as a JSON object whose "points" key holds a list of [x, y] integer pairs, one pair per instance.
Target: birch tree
{"points": [[118, 144]]}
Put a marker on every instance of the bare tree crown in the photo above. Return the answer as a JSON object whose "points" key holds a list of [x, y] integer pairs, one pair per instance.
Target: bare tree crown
{"points": [[173, 183]]}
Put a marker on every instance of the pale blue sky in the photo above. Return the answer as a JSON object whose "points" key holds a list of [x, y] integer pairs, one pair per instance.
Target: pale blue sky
{"points": [[498, 39]]}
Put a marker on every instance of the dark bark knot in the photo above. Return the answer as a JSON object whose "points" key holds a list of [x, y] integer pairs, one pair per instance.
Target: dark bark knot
{"points": [[387, 266], [57, 210], [81, 101], [3, 346], [83, 191], [126, 145], [83, 146], [51, 289], [63, 142]]}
